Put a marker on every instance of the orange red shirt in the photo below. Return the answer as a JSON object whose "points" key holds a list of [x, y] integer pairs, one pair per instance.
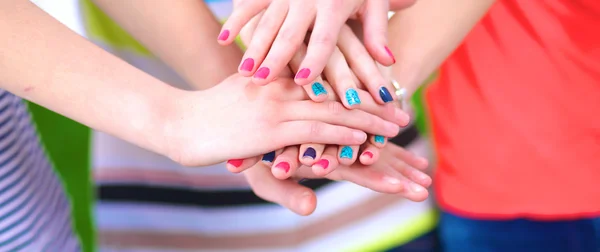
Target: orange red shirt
{"points": [[516, 113]]}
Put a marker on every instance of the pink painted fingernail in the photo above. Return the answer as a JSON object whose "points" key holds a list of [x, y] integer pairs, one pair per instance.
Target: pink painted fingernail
{"points": [[285, 166], [389, 52], [224, 35], [368, 154], [262, 73], [235, 162], [247, 65], [303, 73], [324, 163]]}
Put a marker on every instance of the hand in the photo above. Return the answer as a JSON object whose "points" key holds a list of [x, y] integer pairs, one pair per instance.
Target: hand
{"points": [[285, 24], [238, 120], [397, 171]]}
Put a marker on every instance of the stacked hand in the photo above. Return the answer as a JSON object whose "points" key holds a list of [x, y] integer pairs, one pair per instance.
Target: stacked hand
{"points": [[388, 169]]}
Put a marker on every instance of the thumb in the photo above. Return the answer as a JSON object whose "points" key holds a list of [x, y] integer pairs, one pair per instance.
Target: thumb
{"points": [[287, 193], [375, 28]]}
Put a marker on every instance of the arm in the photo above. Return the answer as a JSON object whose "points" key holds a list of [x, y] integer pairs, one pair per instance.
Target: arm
{"points": [[45, 62], [424, 35], [191, 49]]}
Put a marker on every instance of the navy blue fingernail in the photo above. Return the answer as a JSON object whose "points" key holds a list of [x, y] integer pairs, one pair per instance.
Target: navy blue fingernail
{"points": [[346, 152], [318, 89], [385, 95], [352, 97], [269, 157], [310, 152], [380, 139]]}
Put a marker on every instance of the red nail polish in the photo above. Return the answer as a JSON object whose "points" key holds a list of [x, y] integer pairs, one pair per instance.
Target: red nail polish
{"points": [[284, 166], [303, 73], [235, 162], [262, 73], [323, 163], [224, 35], [368, 154], [389, 52], [247, 65]]}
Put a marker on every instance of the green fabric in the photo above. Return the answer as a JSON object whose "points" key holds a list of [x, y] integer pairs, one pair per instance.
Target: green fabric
{"points": [[68, 146], [419, 104]]}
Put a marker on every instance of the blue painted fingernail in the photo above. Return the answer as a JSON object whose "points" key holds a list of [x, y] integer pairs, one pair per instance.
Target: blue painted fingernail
{"points": [[352, 97], [385, 95], [310, 152], [346, 152], [269, 157], [318, 89], [380, 139]]}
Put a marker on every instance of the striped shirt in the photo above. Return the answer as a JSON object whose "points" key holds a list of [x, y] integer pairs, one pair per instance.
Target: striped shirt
{"points": [[149, 203], [34, 211]]}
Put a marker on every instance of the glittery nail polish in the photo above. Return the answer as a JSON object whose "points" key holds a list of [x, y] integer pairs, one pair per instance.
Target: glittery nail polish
{"points": [[352, 97], [380, 139], [318, 89], [346, 152]]}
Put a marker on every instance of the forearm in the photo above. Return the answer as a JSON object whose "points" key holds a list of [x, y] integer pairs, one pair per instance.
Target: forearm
{"points": [[45, 62], [424, 35], [182, 33]]}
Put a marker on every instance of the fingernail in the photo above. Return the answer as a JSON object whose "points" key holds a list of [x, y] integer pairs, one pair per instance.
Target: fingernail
{"points": [[262, 73], [269, 157], [346, 152], [224, 35], [235, 162], [310, 152], [359, 135], [368, 154], [385, 95], [391, 180], [318, 89], [324, 163], [416, 188], [352, 97], [247, 65], [303, 73], [379, 139], [285, 166], [389, 52]]}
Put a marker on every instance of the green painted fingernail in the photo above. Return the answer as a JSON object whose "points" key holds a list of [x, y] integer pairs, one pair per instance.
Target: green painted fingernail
{"points": [[318, 89], [352, 97], [346, 152], [379, 139]]}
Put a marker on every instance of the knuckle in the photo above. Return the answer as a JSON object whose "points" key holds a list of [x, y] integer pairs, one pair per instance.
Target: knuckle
{"points": [[315, 129], [335, 108], [322, 38]]}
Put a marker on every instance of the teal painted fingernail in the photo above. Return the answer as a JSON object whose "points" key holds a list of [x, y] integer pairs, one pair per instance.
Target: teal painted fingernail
{"points": [[318, 89], [346, 152], [352, 97], [379, 139]]}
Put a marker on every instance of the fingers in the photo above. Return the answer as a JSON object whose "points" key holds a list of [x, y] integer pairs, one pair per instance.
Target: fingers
{"points": [[288, 40], [375, 21], [286, 164], [335, 113], [341, 79], [310, 153], [378, 140], [408, 157], [287, 193], [263, 36], [363, 66], [322, 42], [347, 154], [241, 15], [301, 132], [239, 165], [369, 154], [327, 163], [318, 90]]}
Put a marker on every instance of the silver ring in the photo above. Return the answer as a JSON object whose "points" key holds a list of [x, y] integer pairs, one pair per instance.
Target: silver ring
{"points": [[400, 95]]}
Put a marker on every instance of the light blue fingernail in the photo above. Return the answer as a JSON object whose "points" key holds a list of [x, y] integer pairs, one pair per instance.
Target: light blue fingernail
{"points": [[318, 89], [352, 97], [379, 139], [346, 152]]}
